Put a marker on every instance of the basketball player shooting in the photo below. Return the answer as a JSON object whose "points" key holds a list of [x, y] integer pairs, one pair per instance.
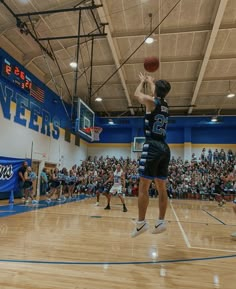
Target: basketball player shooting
{"points": [[232, 178], [155, 156]]}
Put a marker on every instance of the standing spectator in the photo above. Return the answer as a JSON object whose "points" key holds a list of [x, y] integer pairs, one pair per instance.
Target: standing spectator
{"points": [[209, 156], [21, 174], [43, 182], [216, 156], [203, 156], [230, 156]]}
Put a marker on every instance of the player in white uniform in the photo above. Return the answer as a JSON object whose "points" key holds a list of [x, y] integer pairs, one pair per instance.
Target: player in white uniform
{"points": [[118, 179]]}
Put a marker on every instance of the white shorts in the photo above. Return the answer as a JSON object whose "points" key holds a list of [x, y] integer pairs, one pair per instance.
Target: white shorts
{"points": [[116, 189]]}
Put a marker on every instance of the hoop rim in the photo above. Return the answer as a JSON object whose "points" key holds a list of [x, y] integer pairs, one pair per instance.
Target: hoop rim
{"points": [[96, 128]]}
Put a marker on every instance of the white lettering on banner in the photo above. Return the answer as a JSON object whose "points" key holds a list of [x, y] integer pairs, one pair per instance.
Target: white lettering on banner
{"points": [[6, 172], [7, 95]]}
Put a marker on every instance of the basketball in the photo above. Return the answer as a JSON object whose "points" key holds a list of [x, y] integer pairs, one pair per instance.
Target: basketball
{"points": [[151, 64]]}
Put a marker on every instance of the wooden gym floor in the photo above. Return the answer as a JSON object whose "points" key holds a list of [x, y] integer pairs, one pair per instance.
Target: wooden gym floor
{"points": [[79, 246]]}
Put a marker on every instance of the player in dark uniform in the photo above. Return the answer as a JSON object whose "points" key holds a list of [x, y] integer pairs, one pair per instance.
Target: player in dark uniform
{"points": [[232, 178], [155, 156], [21, 173]]}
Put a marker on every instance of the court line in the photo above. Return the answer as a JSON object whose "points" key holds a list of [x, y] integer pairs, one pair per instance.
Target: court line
{"points": [[20, 208], [181, 228], [133, 219], [213, 217], [117, 263], [214, 249]]}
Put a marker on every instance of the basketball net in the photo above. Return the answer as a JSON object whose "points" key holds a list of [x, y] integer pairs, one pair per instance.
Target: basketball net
{"points": [[95, 133]]}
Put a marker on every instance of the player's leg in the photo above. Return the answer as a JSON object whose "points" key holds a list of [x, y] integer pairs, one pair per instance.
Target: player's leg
{"points": [[143, 200], [108, 196], [97, 197], [160, 225], [160, 182], [234, 209], [146, 165], [119, 191]]}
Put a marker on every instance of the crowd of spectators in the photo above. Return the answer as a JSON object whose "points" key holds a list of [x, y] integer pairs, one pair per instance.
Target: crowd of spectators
{"points": [[201, 177], [204, 177]]}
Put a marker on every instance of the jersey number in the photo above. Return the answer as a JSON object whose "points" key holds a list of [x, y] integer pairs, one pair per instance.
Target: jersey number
{"points": [[160, 124]]}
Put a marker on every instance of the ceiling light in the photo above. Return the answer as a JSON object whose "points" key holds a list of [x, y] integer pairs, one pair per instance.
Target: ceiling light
{"points": [[149, 40], [73, 64], [98, 99], [110, 121], [230, 94], [23, 1]]}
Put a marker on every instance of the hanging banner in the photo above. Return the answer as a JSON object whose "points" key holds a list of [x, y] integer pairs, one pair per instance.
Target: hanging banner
{"points": [[9, 178]]}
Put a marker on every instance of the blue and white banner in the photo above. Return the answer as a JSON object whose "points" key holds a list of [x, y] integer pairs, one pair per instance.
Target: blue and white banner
{"points": [[9, 178]]}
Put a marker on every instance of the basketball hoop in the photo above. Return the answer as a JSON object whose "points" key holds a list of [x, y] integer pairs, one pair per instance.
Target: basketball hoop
{"points": [[87, 130], [95, 133]]}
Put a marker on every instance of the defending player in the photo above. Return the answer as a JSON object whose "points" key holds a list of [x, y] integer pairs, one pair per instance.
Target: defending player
{"points": [[118, 179]]}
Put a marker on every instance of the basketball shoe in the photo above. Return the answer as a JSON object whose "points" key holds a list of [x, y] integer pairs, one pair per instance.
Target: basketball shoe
{"points": [[141, 227], [233, 235], [124, 208], [160, 227]]}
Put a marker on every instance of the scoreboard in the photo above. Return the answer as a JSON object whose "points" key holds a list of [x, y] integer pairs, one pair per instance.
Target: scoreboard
{"points": [[16, 75]]}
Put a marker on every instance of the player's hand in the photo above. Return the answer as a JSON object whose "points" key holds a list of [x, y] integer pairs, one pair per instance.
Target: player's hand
{"points": [[142, 77], [150, 79]]}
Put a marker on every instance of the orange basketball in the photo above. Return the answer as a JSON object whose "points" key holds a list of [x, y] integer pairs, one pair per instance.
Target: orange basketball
{"points": [[151, 63]]}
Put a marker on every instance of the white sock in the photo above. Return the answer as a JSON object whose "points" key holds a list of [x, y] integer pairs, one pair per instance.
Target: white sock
{"points": [[139, 223]]}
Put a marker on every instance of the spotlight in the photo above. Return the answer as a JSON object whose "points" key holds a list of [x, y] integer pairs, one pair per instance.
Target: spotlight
{"points": [[98, 99]]}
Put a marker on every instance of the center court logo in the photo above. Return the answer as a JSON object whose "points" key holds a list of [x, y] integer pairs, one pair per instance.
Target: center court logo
{"points": [[6, 172]]}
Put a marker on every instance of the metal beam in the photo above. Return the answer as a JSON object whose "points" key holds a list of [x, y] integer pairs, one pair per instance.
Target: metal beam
{"points": [[206, 58], [72, 36], [75, 90], [25, 29], [54, 11], [114, 50], [169, 31], [91, 73]]}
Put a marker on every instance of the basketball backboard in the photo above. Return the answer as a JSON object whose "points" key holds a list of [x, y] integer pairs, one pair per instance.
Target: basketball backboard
{"points": [[86, 119], [138, 144]]}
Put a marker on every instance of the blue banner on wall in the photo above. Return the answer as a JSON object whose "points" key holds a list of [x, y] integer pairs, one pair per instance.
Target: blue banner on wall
{"points": [[9, 168]]}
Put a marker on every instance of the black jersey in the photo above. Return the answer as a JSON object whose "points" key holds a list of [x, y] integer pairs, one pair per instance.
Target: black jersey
{"points": [[155, 122]]}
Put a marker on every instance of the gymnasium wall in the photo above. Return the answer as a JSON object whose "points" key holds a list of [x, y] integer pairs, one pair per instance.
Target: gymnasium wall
{"points": [[33, 128], [116, 150], [185, 135]]}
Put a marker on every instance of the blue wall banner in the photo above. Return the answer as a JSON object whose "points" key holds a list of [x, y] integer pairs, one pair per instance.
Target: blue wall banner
{"points": [[9, 173]]}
